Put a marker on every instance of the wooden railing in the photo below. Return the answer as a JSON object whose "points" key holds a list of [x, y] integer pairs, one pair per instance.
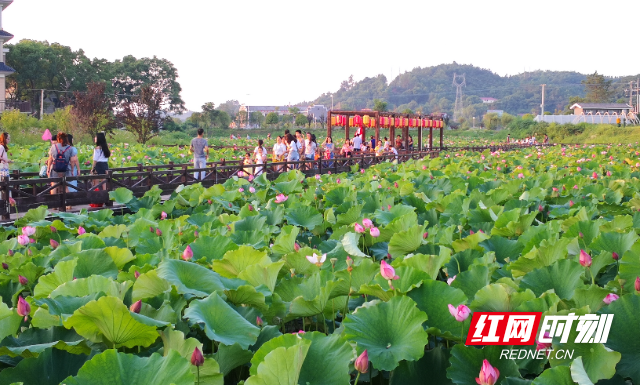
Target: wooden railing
{"points": [[29, 191]]}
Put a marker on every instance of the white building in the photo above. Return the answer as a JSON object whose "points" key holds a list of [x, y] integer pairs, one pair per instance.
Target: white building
{"points": [[5, 70]]}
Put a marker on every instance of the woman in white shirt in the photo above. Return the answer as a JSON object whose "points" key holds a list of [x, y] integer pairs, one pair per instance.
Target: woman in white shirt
{"points": [[4, 158], [279, 150], [101, 154], [292, 150], [260, 154]]}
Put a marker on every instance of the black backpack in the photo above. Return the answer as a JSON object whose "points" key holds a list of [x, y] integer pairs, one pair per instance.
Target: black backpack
{"points": [[61, 164]]}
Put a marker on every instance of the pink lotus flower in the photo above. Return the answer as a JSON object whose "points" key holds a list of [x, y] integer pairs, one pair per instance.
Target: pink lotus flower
{"points": [[571, 203], [359, 228], [362, 362], [251, 178], [240, 174], [12, 201], [367, 223], [136, 274], [259, 322], [159, 232], [23, 240], [615, 256], [240, 189], [187, 254], [31, 240], [316, 259], [28, 231], [163, 216], [585, 259], [281, 198], [488, 374], [23, 308], [54, 244], [10, 253], [252, 190], [460, 313], [610, 298], [387, 271], [637, 284], [395, 184], [595, 175], [555, 189], [608, 173], [389, 207], [81, 230], [318, 177], [375, 232], [449, 280], [425, 235], [543, 345], [521, 175], [5, 266], [578, 169], [296, 247], [338, 181], [197, 359], [136, 307], [575, 187], [23, 280], [424, 168]]}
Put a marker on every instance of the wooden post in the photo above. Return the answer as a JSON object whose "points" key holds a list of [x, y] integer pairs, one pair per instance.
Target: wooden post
{"points": [[392, 135], [430, 138], [63, 194], [441, 137], [5, 196], [109, 186], [329, 123], [346, 130], [420, 136], [378, 131], [405, 138]]}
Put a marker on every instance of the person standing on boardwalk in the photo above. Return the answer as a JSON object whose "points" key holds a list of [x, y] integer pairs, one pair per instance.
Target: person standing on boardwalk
{"points": [[200, 150], [357, 144]]}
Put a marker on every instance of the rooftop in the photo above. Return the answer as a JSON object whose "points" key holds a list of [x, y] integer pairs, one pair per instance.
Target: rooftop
{"points": [[4, 35], [603, 106], [6, 69]]}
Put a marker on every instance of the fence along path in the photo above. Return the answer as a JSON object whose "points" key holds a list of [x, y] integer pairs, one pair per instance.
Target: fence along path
{"points": [[29, 191]]}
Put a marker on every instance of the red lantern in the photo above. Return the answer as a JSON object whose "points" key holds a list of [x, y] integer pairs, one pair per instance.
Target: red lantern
{"points": [[357, 120]]}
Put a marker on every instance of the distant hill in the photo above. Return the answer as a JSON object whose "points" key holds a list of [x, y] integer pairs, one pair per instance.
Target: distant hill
{"points": [[431, 90], [183, 116]]}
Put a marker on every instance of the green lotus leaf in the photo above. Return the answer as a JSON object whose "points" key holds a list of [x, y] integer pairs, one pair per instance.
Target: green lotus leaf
{"points": [[246, 295], [388, 338], [281, 366], [83, 287], [64, 306], [34, 341], [350, 244], [221, 322], [466, 362], [189, 278], [260, 274], [285, 241], [94, 262], [211, 248], [230, 357], [304, 216], [111, 367], [624, 336], [562, 276], [120, 256], [432, 365], [235, 261], [384, 218], [121, 195], [499, 297], [108, 319], [433, 298], [405, 242], [63, 272], [9, 320], [51, 367], [560, 375], [175, 340], [545, 254], [113, 231], [505, 249], [472, 280], [630, 266], [430, 264], [311, 297], [361, 274], [149, 285]]}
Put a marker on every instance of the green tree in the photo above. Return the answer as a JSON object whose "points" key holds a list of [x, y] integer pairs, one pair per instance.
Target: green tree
{"points": [[379, 105], [506, 119], [272, 118], [491, 120], [256, 118], [301, 120], [294, 110], [93, 110], [597, 88], [407, 111], [231, 107], [143, 114]]}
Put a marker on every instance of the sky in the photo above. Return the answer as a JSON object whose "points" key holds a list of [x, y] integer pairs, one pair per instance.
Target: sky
{"points": [[280, 52]]}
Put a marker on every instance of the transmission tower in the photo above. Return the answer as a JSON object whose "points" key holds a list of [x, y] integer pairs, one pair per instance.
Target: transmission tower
{"points": [[457, 111]]}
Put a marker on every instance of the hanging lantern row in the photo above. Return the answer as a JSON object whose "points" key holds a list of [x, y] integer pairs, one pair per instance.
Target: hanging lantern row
{"points": [[368, 121]]}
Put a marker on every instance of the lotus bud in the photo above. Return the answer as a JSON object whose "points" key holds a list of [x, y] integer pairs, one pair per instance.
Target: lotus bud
{"points": [[252, 190], [136, 274], [610, 298], [615, 256], [362, 362], [395, 184], [581, 235], [54, 244], [163, 215], [10, 253], [151, 230], [187, 254], [136, 306], [387, 271], [5, 266], [23, 281], [585, 259], [53, 229], [637, 284], [375, 232], [81, 230], [195, 234], [23, 308], [296, 247], [259, 322], [158, 232], [460, 313], [389, 207], [540, 208], [23, 240], [488, 374], [12, 202], [367, 223], [250, 208], [350, 262], [338, 181], [543, 345], [425, 235], [449, 280], [359, 228], [31, 240], [241, 190], [571, 203], [197, 359], [471, 232]]}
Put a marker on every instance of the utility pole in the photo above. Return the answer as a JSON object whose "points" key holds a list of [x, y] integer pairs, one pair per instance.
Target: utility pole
{"points": [[638, 96], [459, 107], [41, 103], [542, 105], [631, 93]]}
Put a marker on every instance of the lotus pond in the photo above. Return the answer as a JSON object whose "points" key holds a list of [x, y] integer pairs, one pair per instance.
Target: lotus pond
{"points": [[290, 281]]}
